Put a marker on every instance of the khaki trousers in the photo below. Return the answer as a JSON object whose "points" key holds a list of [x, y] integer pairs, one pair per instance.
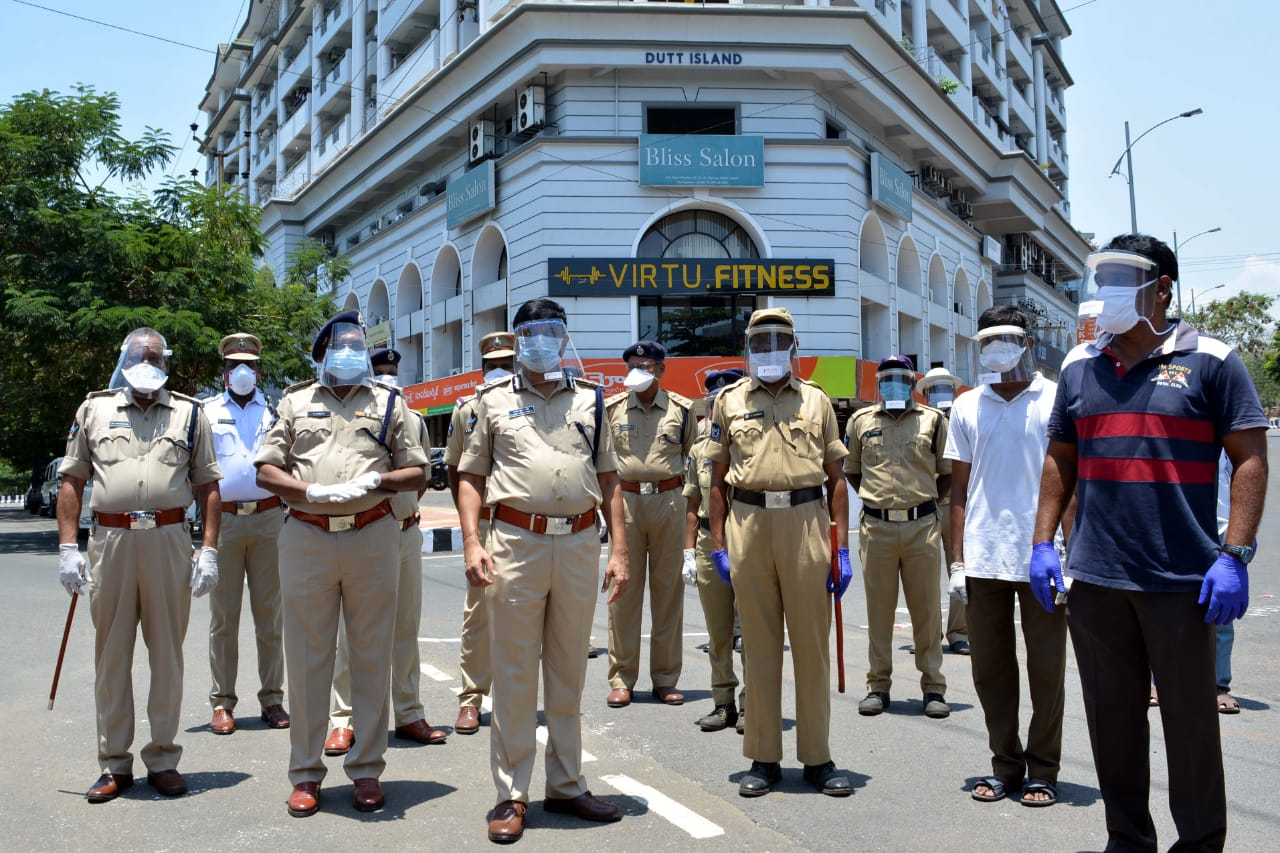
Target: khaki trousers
{"points": [[352, 574], [780, 560], [473, 658], [957, 629], [139, 577], [406, 661], [721, 612], [247, 553], [910, 551], [540, 608], [655, 541], [995, 677]]}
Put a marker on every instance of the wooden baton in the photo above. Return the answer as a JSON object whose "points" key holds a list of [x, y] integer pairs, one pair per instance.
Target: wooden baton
{"points": [[62, 650]]}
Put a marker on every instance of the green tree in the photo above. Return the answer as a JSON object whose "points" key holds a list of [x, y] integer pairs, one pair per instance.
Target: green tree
{"points": [[81, 265], [1244, 322]]}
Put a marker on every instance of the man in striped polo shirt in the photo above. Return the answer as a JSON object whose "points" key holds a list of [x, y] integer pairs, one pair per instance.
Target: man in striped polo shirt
{"points": [[1141, 416]]}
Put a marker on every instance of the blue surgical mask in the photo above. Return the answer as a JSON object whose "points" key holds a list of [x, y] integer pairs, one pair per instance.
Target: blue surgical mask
{"points": [[895, 393], [349, 364], [540, 353]]}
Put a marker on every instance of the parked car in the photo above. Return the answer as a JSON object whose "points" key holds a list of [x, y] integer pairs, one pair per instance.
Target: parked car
{"points": [[438, 476], [49, 489]]}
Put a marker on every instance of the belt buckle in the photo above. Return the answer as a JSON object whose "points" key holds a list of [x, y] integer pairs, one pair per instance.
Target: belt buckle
{"points": [[559, 526], [648, 488], [898, 514], [339, 523], [246, 507], [142, 520], [777, 500]]}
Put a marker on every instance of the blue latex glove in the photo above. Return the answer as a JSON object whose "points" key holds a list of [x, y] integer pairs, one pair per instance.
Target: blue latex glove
{"points": [[846, 575], [1046, 574], [720, 559], [1225, 590]]}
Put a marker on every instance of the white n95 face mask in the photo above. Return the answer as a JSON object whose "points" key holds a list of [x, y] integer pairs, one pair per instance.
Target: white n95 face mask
{"points": [[638, 380], [1119, 311], [1001, 356], [242, 380], [770, 366], [145, 378]]}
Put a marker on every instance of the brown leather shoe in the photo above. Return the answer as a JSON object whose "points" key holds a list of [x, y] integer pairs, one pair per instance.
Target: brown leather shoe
{"points": [[275, 716], [507, 824], [668, 695], [305, 799], [422, 732], [169, 783], [368, 795], [223, 723], [468, 722], [585, 806], [619, 697], [339, 742], [108, 787]]}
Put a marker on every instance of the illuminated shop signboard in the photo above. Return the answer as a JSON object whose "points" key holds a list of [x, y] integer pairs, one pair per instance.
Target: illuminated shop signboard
{"points": [[658, 276]]}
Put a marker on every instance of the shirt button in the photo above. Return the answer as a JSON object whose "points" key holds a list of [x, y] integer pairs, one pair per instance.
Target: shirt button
{"points": [[559, 498]]}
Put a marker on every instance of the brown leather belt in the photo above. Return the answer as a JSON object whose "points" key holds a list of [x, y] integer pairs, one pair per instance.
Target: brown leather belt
{"points": [[339, 523], [652, 488], [410, 522], [143, 520], [545, 524], [250, 507], [485, 513]]}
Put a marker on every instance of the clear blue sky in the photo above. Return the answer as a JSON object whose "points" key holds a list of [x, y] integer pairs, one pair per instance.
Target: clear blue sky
{"points": [[1136, 60]]}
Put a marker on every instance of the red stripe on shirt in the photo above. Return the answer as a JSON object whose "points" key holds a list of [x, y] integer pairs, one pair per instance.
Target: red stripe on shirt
{"points": [[1147, 424], [1148, 470]]}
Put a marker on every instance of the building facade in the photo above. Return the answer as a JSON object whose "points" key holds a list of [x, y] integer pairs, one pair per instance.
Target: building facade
{"points": [[663, 168]]}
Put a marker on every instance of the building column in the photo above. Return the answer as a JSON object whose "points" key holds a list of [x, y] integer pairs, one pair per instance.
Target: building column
{"points": [[1042, 127], [282, 90], [919, 29], [246, 116], [448, 30], [359, 57]]}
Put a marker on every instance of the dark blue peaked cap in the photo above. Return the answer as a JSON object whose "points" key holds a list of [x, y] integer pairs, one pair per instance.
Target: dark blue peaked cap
{"points": [[322, 337]]}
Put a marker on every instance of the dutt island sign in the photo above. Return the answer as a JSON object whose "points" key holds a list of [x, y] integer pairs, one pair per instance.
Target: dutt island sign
{"points": [[693, 160], [674, 276]]}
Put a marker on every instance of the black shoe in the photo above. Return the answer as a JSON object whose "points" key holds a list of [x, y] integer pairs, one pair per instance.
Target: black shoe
{"points": [[874, 703], [827, 779], [742, 722], [935, 706], [719, 719], [760, 779]]}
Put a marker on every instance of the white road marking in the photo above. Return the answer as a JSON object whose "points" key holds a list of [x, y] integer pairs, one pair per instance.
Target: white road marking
{"points": [[681, 816], [486, 704], [439, 639], [541, 734], [435, 674]]}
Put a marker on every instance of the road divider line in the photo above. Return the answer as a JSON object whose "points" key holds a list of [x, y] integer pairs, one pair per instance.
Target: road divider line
{"points": [[682, 817], [435, 674], [541, 735], [486, 704]]}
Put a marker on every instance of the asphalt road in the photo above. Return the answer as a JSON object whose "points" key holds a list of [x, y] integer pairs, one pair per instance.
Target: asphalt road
{"points": [[676, 785]]}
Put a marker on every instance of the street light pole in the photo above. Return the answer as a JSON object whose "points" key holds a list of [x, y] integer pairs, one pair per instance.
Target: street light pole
{"points": [[1127, 156], [1193, 295], [1176, 246]]}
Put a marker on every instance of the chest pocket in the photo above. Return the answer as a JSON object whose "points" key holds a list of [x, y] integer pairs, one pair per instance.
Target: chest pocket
{"points": [[225, 440], [311, 435], [115, 445], [704, 474], [174, 450], [806, 438], [874, 451], [512, 436], [581, 428], [748, 436], [623, 437]]}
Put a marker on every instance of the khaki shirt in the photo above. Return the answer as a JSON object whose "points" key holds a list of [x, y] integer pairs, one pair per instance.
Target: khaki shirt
{"points": [[139, 459], [535, 451], [772, 442], [459, 422], [405, 504], [320, 437], [899, 456], [697, 476], [651, 444]]}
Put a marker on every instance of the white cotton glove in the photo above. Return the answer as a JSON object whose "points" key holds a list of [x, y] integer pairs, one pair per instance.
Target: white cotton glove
{"points": [[690, 570], [204, 571], [73, 571], [956, 587], [337, 493], [370, 480]]}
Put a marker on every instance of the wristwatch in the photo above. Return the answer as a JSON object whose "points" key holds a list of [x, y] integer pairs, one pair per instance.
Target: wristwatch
{"points": [[1243, 553]]}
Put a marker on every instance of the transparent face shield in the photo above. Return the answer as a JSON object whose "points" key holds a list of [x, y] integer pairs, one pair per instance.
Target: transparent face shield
{"points": [[893, 387], [940, 393], [1119, 291], [1004, 355], [772, 353], [143, 364], [545, 352], [346, 360]]}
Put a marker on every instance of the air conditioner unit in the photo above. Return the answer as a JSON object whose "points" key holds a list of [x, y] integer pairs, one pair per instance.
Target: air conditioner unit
{"points": [[326, 237], [481, 141], [964, 210], [532, 109]]}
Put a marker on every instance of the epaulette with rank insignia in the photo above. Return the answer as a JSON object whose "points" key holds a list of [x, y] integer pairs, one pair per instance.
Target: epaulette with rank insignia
{"points": [[744, 380], [298, 386], [680, 400], [105, 392], [489, 386], [613, 399]]}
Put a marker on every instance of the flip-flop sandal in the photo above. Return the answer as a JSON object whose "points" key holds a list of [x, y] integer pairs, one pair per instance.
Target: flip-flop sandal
{"points": [[1039, 786], [999, 789], [1227, 703]]}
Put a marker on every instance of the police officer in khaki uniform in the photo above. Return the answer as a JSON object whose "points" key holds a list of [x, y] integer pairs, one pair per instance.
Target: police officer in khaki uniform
{"points": [[147, 451], [342, 445], [774, 441], [497, 355], [939, 389], [653, 431], [406, 703], [895, 462], [251, 522], [718, 601], [541, 454]]}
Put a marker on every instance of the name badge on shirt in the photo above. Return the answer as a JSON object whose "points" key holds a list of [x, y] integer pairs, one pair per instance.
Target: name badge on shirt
{"points": [[515, 413], [115, 424], [873, 433], [319, 413], [751, 416], [625, 427], [229, 421]]}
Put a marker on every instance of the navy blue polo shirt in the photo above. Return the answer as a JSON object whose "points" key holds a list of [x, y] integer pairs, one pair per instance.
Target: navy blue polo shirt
{"points": [[1148, 441]]}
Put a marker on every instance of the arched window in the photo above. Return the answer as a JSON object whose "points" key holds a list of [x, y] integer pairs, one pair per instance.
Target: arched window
{"points": [[703, 325]]}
